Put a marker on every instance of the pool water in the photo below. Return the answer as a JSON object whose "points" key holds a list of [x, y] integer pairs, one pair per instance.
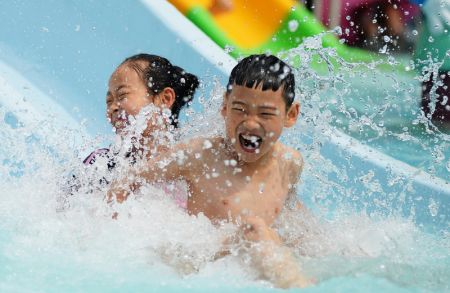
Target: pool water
{"points": [[79, 248], [380, 108]]}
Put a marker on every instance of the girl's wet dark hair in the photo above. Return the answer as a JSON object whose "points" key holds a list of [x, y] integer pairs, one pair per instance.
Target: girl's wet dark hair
{"points": [[267, 70], [158, 73]]}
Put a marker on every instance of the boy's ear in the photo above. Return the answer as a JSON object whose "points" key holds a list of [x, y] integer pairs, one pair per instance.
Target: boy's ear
{"points": [[292, 115], [165, 98], [223, 109]]}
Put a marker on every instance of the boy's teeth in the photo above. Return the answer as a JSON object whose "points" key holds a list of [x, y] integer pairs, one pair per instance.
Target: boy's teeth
{"points": [[250, 142], [252, 138]]}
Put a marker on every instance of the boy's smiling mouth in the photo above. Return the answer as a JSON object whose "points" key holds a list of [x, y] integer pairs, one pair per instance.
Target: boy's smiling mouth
{"points": [[250, 142]]}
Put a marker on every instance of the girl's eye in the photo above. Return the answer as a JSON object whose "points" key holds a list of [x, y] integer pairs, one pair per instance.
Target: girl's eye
{"points": [[268, 114], [122, 97]]}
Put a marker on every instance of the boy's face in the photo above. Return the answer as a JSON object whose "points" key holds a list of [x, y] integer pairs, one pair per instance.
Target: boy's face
{"points": [[254, 120]]}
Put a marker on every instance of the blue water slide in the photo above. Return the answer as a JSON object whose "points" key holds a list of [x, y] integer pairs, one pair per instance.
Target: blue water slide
{"points": [[56, 58]]}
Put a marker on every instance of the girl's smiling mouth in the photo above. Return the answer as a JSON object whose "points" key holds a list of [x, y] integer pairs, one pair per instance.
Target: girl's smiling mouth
{"points": [[119, 121]]}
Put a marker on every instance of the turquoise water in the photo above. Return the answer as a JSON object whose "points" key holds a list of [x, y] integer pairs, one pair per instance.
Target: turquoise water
{"points": [[380, 108], [82, 249], [372, 228]]}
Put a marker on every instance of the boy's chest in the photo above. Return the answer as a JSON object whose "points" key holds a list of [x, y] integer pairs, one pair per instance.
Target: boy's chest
{"points": [[238, 195]]}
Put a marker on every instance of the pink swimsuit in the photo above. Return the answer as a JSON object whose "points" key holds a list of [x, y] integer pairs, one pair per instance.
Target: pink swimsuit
{"points": [[177, 190]]}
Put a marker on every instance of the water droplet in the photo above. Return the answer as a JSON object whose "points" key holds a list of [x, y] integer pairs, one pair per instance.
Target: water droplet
{"points": [[293, 25], [431, 39], [433, 207], [338, 30], [261, 187], [386, 39], [347, 17], [228, 49], [207, 144], [415, 32]]}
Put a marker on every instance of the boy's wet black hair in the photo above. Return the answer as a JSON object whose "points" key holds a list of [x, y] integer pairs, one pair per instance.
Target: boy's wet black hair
{"points": [[267, 70], [158, 73]]}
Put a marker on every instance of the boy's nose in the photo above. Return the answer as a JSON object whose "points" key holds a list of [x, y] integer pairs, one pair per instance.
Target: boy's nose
{"points": [[251, 123]]}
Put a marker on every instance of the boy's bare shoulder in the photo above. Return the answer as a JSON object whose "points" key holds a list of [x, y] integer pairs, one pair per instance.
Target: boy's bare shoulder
{"points": [[294, 160], [203, 147], [198, 144]]}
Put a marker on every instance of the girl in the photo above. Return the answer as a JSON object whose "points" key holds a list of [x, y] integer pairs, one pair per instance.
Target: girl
{"points": [[140, 81]]}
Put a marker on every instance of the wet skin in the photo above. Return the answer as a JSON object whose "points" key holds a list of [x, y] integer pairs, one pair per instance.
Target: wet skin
{"points": [[227, 179], [128, 94]]}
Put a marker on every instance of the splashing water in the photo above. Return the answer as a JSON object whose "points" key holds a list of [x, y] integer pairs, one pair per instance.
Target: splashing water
{"points": [[154, 244]]}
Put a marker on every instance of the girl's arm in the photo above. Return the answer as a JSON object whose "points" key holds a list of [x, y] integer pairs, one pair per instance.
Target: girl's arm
{"points": [[177, 163]]}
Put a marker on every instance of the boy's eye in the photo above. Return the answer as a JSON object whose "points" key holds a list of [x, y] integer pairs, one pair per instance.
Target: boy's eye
{"points": [[266, 114], [238, 109]]}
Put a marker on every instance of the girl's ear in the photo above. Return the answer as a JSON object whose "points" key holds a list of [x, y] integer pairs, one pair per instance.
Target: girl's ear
{"points": [[166, 98], [292, 115]]}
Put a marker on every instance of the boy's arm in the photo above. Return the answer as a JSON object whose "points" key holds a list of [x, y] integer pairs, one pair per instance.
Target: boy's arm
{"points": [[295, 170], [274, 261], [179, 162]]}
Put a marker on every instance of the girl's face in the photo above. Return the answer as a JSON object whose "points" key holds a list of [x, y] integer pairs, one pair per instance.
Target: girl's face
{"points": [[127, 95]]}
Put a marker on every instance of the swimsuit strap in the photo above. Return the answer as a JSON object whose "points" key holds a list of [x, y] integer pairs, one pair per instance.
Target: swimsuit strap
{"points": [[91, 158]]}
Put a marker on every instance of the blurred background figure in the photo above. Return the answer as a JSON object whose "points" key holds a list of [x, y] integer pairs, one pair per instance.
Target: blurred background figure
{"points": [[374, 24], [220, 6], [371, 24], [418, 27], [433, 58]]}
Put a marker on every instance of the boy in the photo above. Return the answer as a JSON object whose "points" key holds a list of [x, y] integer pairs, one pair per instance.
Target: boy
{"points": [[247, 176]]}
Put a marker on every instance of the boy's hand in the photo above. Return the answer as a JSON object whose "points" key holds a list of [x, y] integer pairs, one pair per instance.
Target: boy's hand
{"points": [[276, 262], [255, 229]]}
